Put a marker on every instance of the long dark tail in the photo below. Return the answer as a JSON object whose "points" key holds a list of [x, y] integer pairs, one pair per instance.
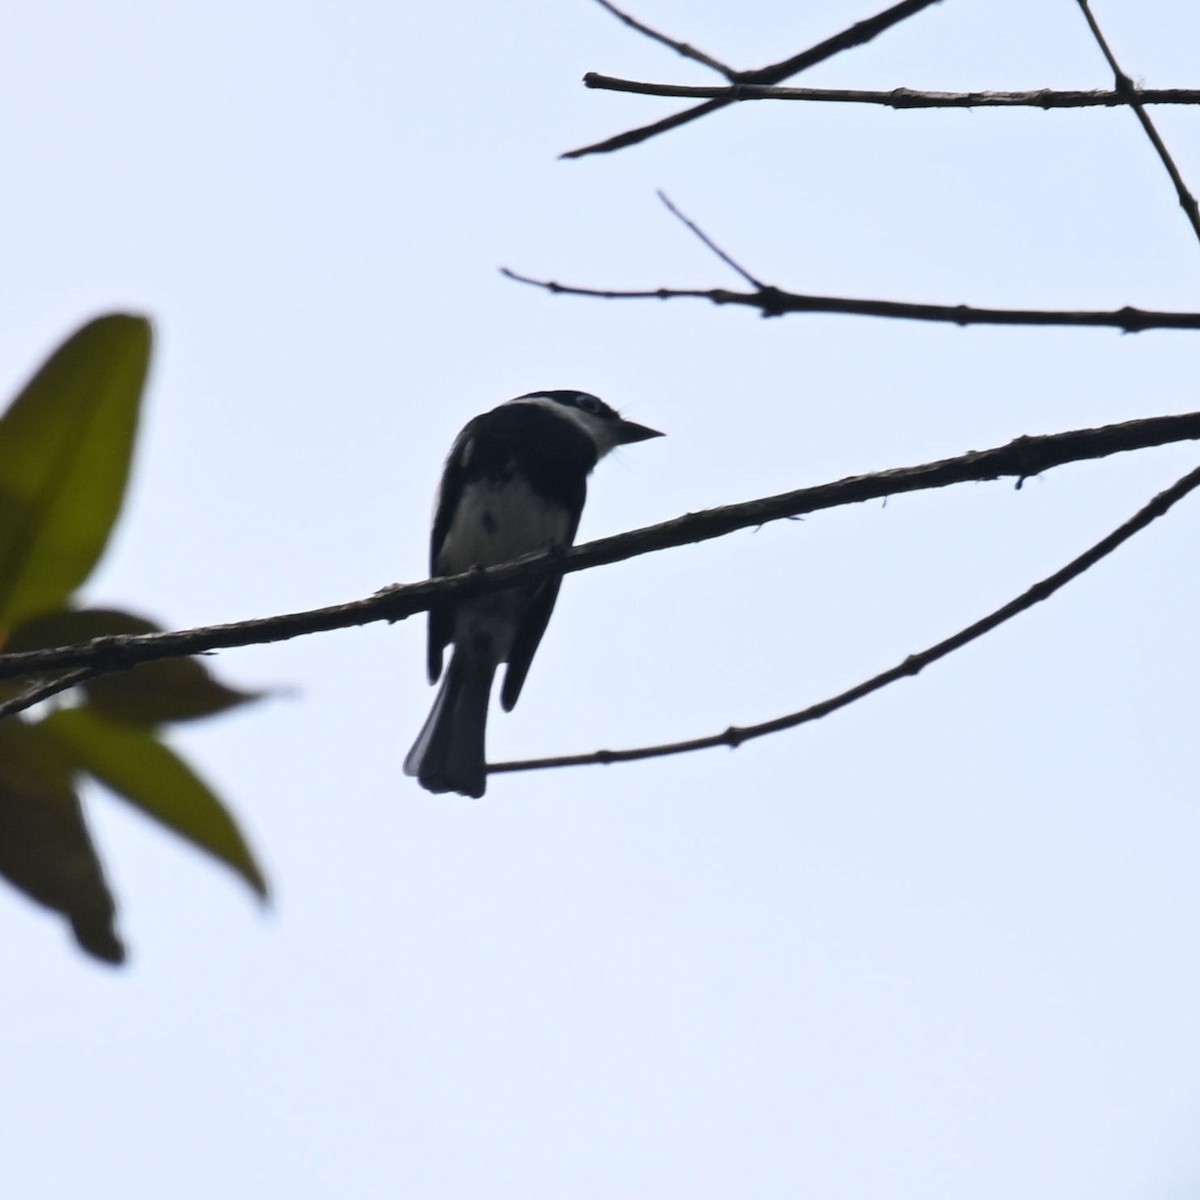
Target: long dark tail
{"points": [[448, 755]]}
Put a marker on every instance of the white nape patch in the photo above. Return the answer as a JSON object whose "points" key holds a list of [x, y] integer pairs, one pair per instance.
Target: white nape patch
{"points": [[497, 521], [601, 431]]}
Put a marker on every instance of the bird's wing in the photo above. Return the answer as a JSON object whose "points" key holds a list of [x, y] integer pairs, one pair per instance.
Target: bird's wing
{"points": [[537, 614], [441, 617], [533, 624]]}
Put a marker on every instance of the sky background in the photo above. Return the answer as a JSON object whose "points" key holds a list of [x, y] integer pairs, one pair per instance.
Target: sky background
{"points": [[942, 944]]}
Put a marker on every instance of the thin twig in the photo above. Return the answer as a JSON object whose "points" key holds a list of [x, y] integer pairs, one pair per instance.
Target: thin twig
{"points": [[856, 35], [44, 690], [901, 97], [1124, 86], [1021, 459], [773, 302], [734, 736], [754, 283], [679, 47]]}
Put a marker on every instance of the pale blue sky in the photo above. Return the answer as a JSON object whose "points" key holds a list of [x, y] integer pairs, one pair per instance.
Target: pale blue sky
{"points": [[941, 945]]}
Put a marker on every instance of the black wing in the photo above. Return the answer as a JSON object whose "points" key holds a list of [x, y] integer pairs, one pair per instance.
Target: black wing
{"points": [[441, 617], [533, 625], [529, 636]]}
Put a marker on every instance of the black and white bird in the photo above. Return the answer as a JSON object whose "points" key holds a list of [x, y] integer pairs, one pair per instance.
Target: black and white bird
{"points": [[514, 483]]}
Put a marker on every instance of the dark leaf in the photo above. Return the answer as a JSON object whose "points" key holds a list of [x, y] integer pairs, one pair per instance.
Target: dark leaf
{"points": [[177, 689], [45, 847], [138, 767], [65, 448]]}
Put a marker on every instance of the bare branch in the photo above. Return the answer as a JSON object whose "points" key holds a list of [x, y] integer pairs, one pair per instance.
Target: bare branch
{"points": [[1125, 87], [633, 136], [734, 736], [856, 35], [38, 692], [679, 47], [729, 262], [773, 302], [901, 97], [1020, 459]]}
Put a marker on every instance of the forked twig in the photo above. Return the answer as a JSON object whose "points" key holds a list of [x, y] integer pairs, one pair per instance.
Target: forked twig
{"points": [[856, 35], [774, 302], [1124, 85]]}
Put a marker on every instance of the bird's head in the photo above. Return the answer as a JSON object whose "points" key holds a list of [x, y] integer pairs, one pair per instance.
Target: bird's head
{"points": [[603, 424]]}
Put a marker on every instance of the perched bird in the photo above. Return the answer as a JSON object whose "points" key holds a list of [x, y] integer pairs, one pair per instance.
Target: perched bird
{"points": [[514, 483]]}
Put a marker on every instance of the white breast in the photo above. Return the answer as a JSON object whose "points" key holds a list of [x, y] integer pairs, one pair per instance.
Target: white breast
{"points": [[499, 521]]}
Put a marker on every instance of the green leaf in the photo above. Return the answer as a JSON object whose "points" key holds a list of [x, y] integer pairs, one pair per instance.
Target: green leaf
{"points": [[177, 689], [138, 767], [45, 847], [65, 448]]}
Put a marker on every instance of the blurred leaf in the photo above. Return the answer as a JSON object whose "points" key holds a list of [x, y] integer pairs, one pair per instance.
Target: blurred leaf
{"points": [[65, 447], [177, 689], [135, 765], [45, 848]]}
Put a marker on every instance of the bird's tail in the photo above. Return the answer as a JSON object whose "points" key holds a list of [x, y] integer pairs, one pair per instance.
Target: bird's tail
{"points": [[448, 755]]}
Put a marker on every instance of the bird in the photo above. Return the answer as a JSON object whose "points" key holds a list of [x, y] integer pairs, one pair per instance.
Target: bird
{"points": [[515, 482]]}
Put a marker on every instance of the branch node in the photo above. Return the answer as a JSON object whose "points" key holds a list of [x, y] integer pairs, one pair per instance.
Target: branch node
{"points": [[1131, 320], [772, 301], [857, 34], [1128, 93]]}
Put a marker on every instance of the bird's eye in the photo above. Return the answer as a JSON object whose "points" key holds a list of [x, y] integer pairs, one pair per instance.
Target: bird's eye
{"points": [[589, 404]]}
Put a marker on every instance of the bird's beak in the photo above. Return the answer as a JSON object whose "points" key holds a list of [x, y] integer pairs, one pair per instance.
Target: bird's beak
{"points": [[630, 431]]}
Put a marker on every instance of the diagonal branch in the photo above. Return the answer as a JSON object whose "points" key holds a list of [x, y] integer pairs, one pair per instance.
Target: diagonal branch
{"points": [[725, 258], [774, 302], [679, 47], [1020, 459], [901, 97], [37, 692], [1124, 86], [734, 736], [856, 35]]}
